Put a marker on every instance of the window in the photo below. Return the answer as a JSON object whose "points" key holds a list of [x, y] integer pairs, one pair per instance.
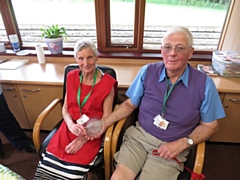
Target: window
{"points": [[3, 34], [77, 16], [204, 20], [122, 22], [153, 17], [117, 25]]}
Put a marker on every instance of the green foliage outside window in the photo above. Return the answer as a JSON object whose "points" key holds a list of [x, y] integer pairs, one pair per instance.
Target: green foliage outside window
{"points": [[215, 4]]}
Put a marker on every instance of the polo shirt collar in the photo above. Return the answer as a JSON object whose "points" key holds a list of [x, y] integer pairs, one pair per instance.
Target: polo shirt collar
{"points": [[183, 78]]}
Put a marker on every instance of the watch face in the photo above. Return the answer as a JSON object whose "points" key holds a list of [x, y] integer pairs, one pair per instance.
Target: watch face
{"points": [[190, 141]]}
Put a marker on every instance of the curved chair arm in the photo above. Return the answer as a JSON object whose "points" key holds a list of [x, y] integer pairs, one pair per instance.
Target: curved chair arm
{"points": [[107, 152], [116, 134], [115, 137], [108, 156], [199, 161], [39, 121]]}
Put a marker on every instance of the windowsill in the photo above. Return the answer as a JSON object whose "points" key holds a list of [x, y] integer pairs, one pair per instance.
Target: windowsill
{"points": [[129, 55], [151, 56]]}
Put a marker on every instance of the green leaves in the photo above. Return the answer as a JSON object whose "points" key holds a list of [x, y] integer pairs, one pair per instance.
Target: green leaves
{"points": [[54, 32]]}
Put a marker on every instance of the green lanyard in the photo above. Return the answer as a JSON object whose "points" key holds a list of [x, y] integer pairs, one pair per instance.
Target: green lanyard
{"points": [[87, 96], [167, 94]]}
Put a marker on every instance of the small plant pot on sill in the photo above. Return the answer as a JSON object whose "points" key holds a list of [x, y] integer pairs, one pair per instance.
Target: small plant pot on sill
{"points": [[54, 45]]}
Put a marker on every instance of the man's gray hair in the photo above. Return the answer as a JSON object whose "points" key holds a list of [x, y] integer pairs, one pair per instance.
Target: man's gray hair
{"points": [[84, 43], [181, 30]]}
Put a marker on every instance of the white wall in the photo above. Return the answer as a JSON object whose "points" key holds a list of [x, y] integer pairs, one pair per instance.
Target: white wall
{"points": [[231, 41]]}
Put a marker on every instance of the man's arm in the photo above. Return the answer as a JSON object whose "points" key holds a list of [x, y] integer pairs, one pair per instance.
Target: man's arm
{"points": [[124, 109], [204, 131], [200, 134]]}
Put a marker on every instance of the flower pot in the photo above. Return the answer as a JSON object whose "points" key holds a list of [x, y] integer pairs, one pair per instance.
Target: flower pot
{"points": [[55, 45]]}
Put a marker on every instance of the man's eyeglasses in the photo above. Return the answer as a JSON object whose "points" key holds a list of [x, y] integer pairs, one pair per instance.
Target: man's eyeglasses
{"points": [[179, 49]]}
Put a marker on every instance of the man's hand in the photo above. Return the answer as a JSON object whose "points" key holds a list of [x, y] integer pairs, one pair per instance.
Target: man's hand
{"points": [[171, 150], [101, 128]]}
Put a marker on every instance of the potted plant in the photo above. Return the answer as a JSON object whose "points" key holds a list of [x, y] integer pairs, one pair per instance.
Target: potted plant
{"points": [[54, 36]]}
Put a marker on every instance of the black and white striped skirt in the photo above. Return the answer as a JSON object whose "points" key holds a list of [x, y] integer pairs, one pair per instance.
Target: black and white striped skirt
{"points": [[52, 168]]}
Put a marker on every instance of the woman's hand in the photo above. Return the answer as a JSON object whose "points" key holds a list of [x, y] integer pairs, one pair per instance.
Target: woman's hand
{"points": [[75, 145], [77, 130]]}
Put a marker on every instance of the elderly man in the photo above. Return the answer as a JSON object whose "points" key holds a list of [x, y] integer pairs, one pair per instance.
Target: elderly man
{"points": [[178, 107]]}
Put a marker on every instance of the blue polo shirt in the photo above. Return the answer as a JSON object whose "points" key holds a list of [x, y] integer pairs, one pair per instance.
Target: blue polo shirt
{"points": [[211, 107]]}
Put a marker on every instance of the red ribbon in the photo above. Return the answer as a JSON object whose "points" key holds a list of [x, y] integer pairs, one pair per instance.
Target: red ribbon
{"points": [[194, 176]]}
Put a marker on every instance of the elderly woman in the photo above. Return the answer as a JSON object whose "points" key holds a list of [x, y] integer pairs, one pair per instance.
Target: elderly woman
{"points": [[89, 93]]}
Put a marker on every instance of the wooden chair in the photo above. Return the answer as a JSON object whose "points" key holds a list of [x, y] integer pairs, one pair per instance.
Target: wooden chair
{"points": [[104, 160], [195, 159]]}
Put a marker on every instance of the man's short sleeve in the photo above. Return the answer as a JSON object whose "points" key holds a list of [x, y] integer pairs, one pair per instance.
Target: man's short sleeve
{"points": [[136, 90], [211, 108]]}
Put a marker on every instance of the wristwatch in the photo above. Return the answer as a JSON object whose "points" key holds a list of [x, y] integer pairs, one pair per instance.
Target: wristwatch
{"points": [[190, 141]]}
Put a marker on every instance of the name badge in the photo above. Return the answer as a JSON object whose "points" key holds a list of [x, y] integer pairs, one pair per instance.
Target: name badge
{"points": [[83, 119], [160, 122]]}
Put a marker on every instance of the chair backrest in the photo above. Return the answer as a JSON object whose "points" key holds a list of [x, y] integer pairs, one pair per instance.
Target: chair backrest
{"points": [[185, 175], [68, 68], [104, 69]]}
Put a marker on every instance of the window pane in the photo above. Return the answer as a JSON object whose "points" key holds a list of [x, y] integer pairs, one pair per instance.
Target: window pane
{"points": [[204, 19], [77, 16], [3, 34], [122, 21]]}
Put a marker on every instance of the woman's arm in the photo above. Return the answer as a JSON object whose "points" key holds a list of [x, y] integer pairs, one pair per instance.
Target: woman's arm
{"points": [[108, 103], [73, 127]]}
